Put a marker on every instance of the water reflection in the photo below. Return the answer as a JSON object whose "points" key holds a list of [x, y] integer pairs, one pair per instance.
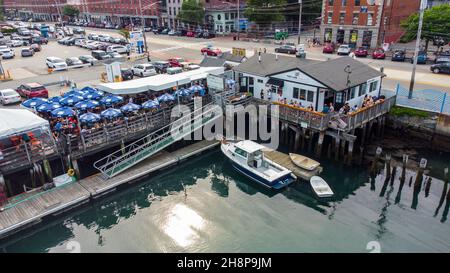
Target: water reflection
{"points": [[183, 225]]}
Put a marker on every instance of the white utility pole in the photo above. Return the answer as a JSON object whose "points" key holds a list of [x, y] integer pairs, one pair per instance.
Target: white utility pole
{"points": [[299, 20], [423, 4], [238, 15]]}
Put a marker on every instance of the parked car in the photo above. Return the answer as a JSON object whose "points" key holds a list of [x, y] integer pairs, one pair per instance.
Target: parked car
{"points": [[36, 47], [398, 56], [9, 96], [441, 68], [79, 30], [92, 45], [114, 55], [73, 61], [127, 74], [211, 51], [442, 57], [165, 31], [87, 59], [32, 90], [63, 40], [379, 54], [117, 48], [344, 50], [103, 46], [161, 66], [144, 70], [100, 55], [328, 48], [175, 62], [27, 52], [93, 36], [55, 62], [39, 40], [286, 49], [7, 53], [421, 58], [80, 42], [361, 52], [172, 33], [16, 43], [190, 34]]}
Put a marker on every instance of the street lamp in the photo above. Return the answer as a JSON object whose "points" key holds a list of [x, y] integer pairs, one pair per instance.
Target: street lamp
{"points": [[143, 21]]}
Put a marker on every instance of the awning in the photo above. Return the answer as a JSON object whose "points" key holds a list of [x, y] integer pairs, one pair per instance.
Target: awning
{"points": [[277, 82]]}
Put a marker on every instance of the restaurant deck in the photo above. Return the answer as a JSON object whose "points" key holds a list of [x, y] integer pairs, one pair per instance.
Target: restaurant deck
{"points": [[22, 214]]}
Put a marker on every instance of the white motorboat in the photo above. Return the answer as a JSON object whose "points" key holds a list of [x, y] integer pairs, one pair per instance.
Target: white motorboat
{"points": [[248, 158], [320, 187]]}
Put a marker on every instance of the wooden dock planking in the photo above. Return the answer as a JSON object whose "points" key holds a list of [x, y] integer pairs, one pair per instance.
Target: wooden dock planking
{"points": [[285, 161], [62, 198]]}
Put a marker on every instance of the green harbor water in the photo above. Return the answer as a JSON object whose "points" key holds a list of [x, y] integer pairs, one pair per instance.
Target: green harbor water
{"points": [[223, 211]]}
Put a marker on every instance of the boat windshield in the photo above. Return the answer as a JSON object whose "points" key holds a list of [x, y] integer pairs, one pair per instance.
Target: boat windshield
{"points": [[241, 152]]}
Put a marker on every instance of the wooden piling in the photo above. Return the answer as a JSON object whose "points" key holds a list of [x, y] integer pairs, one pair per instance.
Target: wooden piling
{"points": [[444, 191], [310, 140], [361, 155], [419, 176], [329, 147], [404, 162], [410, 181], [336, 148], [388, 166], [363, 134], [342, 148], [394, 172], [350, 153], [373, 168], [428, 187], [297, 140], [319, 144]]}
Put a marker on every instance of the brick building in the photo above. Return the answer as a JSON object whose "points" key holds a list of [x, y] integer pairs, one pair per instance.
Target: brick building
{"points": [[222, 15], [42, 9]]}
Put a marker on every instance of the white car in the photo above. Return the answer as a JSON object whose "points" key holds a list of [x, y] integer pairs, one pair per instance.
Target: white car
{"points": [[117, 48], [9, 96], [344, 50], [80, 42], [144, 70], [92, 45], [7, 53], [115, 55], [16, 43], [55, 62]]}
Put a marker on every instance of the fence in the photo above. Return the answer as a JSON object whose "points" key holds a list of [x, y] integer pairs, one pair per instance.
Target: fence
{"points": [[428, 100]]}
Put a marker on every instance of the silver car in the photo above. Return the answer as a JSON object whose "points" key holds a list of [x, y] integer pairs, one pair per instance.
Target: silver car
{"points": [[9, 96]]}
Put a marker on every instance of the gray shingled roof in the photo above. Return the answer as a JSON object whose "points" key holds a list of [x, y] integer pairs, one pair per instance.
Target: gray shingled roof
{"points": [[330, 73], [212, 62], [231, 58]]}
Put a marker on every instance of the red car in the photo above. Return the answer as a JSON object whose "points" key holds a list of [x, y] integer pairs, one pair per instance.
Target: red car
{"points": [[328, 48], [176, 62], [361, 52], [190, 34], [32, 90], [379, 54], [211, 51]]}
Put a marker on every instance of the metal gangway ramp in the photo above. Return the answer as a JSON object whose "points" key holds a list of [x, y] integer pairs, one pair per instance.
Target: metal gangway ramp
{"points": [[154, 142]]}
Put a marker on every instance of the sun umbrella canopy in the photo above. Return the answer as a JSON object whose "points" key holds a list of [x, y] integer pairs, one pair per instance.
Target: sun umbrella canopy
{"points": [[94, 95], [111, 99], [74, 92], [197, 88], [48, 107], [70, 100], [55, 99], [130, 107], [34, 102], [63, 112], [150, 104], [87, 104], [89, 118], [182, 93], [111, 113], [166, 97], [88, 89]]}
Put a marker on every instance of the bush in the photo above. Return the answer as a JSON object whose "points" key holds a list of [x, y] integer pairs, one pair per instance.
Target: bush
{"points": [[403, 111]]}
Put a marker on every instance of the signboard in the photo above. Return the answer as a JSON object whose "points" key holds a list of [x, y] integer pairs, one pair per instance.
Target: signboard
{"points": [[243, 24], [238, 51], [113, 71], [137, 41], [215, 82]]}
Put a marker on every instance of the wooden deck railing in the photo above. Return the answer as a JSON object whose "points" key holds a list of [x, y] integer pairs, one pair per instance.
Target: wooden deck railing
{"points": [[304, 117]]}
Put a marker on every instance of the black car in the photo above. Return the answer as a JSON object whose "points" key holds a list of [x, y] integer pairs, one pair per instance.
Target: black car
{"points": [[398, 56], [286, 49], [198, 34], [161, 66], [442, 57], [87, 59], [441, 68], [127, 74]]}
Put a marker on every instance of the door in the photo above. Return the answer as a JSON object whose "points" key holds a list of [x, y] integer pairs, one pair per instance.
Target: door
{"points": [[243, 84], [339, 99]]}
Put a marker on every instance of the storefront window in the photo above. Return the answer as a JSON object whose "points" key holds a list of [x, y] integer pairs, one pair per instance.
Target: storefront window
{"points": [[327, 35], [340, 36], [353, 38], [367, 38]]}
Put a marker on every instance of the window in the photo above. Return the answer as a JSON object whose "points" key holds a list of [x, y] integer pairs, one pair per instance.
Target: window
{"points": [[260, 81], [344, 3], [251, 80], [355, 18], [363, 89], [367, 38], [302, 94], [295, 92], [232, 15], [373, 86], [330, 2], [330, 18], [341, 18], [339, 97], [226, 16], [357, 2], [240, 152], [369, 19], [219, 17], [353, 92], [310, 96]]}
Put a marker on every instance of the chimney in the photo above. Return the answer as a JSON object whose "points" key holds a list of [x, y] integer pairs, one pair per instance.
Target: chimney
{"points": [[259, 56]]}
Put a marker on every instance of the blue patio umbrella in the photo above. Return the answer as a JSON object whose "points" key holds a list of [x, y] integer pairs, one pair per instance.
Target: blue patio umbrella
{"points": [[182, 93], [150, 104], [48, 107], [230, 83], [70, 100], [63, 112], [111, 99], [73, 92], [130, 107], [87, 104], [33, 102], [111, 113], [166, 97], [89, 118], [94, 95], [87, 89], [55, 99], [197, 88]]}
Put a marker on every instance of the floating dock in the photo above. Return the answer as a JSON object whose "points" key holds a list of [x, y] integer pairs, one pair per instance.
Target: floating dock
{"points": [[285, 161], [31, 210]]}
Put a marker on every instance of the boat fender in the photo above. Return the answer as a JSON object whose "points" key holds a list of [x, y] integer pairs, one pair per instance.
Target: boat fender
{"points": [[71, 172]]}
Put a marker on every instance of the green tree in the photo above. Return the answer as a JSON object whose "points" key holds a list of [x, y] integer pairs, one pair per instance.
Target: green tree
{"points": [[192, 12], [436, 22], [124, 33], [70, 11], [265, 12]]}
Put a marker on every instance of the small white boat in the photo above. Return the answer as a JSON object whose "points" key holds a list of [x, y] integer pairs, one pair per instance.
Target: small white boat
{"points": [[304, 162], [248, 158], [320, 187]]}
